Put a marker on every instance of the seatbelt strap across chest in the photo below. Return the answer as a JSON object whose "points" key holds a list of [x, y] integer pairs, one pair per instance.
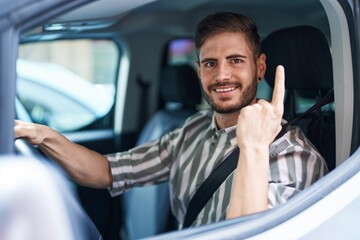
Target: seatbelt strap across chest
{"points": [[209, 186]]}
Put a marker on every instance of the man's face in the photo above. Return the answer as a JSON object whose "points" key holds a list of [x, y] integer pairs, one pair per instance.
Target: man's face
{"points": [[228, 72]]}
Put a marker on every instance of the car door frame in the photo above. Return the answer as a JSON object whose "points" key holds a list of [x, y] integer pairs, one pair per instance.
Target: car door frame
{"points": [[17, 17]]}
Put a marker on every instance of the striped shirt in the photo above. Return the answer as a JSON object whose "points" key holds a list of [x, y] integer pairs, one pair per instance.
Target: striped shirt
{"points": [[187, 156]]}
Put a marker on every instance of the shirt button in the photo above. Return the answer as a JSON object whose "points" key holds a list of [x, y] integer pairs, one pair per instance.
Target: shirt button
{"points": [[218, 150]]}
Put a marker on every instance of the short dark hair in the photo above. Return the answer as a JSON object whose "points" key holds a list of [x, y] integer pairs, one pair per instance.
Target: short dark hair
{"points": [[228, 22]]}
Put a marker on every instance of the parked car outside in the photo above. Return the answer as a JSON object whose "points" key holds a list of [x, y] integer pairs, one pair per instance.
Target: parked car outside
{"points": [[42, 86]]}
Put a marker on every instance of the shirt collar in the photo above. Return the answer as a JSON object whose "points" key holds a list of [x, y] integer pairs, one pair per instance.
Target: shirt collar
{"points": [[229, 131]]}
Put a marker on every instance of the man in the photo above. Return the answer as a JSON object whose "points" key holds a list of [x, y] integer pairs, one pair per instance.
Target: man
{"points": [[230, 65]]}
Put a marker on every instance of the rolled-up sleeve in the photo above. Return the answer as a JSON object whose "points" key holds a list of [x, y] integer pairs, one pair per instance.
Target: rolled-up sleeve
{"points": [[141, 166]]}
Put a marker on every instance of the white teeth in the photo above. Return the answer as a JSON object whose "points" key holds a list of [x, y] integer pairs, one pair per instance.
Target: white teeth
{"points": [[225, 89]]}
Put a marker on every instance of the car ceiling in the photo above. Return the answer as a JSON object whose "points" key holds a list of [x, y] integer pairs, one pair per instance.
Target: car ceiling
{"points": [[162, 15]]}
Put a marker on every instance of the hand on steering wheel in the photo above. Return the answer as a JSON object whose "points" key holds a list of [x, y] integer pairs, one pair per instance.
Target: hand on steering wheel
{"points": [[25, 148]]}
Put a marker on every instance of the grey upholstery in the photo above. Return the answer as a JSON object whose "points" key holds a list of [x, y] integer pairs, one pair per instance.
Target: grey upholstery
{"points": [[305, 54], [148, 208]]}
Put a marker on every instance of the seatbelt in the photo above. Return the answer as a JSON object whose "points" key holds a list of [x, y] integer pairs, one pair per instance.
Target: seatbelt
{"points": [[228, 165], [209, 186], [328, 98]]}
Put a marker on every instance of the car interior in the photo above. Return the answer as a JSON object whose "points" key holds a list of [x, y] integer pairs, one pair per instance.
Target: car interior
{"points": [[139, 57], [180, 94], [305, 54]]}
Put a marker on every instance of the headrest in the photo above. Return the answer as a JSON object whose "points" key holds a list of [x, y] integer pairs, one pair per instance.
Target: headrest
{"points": [[305, 54], [180, 84]]}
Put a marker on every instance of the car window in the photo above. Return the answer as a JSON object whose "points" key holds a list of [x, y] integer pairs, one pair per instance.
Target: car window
{"points": [[67, 84], [180, 51]]}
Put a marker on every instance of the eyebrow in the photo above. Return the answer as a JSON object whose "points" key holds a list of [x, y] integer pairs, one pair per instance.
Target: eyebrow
{"points": [[236, 56], [228, 57], [208, 60]]}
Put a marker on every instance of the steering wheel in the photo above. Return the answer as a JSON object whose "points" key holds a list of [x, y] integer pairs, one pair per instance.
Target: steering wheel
{"points": [[25, 148]]}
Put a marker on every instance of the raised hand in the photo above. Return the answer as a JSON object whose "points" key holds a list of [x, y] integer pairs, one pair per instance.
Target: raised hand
{"points": [[258, 124]]}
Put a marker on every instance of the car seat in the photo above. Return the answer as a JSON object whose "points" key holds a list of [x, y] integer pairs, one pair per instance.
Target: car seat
{"points": [[305, 53], [147, 209]]}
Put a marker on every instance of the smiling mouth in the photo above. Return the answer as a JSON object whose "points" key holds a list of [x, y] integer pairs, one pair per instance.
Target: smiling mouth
{"points": [[222, 90]]}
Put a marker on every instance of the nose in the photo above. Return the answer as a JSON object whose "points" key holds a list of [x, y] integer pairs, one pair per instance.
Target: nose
{"points": [[223, 72]]}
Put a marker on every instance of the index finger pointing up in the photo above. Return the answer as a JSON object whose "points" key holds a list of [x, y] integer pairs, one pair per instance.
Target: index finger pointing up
{"points": [[279, 88]]}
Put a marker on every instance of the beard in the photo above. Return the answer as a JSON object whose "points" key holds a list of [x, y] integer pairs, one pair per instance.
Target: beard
{"points": [[246, 98]]}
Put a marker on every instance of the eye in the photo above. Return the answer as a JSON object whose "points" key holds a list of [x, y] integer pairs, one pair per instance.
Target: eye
{"points": [[209, 64], [237, 60]]}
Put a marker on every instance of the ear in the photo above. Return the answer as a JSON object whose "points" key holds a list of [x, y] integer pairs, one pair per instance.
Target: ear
{"points": [[261, 66]]}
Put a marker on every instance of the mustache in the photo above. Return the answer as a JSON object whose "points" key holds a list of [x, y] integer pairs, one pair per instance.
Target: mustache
{"points": [[225, 84]]}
